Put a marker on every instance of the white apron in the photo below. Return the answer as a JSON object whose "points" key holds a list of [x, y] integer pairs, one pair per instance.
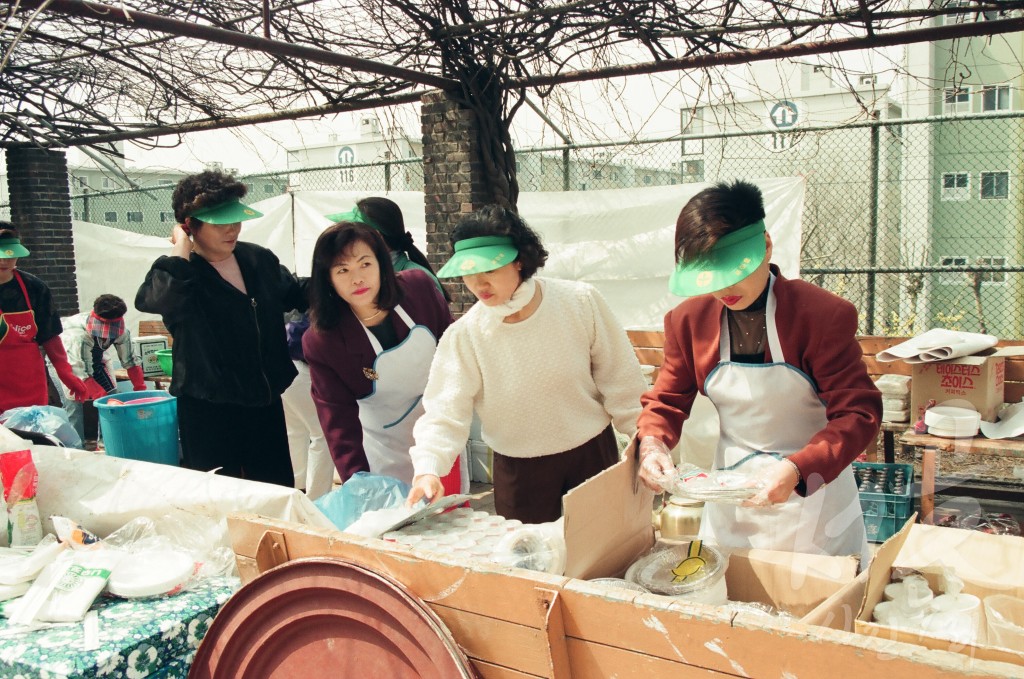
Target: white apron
{"points": [[388, 413], [774, 408]]}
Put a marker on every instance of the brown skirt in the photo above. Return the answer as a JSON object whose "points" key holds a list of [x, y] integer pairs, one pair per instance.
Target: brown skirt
{"points": [[531, 488]]}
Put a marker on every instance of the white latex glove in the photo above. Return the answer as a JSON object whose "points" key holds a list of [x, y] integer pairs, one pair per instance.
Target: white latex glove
{"points": [[655, 462]]}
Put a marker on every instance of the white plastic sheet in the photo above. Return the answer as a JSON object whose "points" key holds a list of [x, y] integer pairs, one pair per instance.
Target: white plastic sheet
{"points": [[103, 493], [621, 240]]}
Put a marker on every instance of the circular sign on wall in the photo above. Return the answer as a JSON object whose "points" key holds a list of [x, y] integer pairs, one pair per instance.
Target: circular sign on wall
{"points": [[784, 114], [346, 155]]}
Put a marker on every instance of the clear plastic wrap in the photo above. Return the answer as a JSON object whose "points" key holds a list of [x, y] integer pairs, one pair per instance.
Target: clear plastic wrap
{"points": [[536, 547], [728, 486]]}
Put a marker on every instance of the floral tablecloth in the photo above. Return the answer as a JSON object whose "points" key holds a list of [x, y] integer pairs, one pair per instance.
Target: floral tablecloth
{"points": [[136, 638]]}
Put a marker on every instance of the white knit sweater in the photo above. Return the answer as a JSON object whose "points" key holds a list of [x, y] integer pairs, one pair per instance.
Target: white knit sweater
{"points": [[541, 386]]}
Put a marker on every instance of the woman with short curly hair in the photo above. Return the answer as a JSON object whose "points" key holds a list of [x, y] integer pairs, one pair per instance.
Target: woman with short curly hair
{"points": [[223, 302], [542, 361]]}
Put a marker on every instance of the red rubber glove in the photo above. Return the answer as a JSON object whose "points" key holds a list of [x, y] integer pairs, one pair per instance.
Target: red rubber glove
{"points": [[137, 378], [59, 358], [93, 389]]}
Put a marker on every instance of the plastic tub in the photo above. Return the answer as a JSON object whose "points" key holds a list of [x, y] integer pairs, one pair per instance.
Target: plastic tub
{"points": [[1005, 615], [163, 357], [147, 431]]}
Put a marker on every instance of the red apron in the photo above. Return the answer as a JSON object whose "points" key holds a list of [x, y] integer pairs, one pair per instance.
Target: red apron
{"points": [[24, 375]]}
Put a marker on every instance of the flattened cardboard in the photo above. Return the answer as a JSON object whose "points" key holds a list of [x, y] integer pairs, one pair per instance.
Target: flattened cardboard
{"points": [[988, 564], [607, 521]]}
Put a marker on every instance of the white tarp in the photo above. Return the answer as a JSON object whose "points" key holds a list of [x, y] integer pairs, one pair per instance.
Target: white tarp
{"points": [[103, 493], [621, 241]]}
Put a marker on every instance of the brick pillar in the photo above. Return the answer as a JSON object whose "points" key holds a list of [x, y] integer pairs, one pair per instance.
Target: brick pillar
{"points": [[453, 182], [37, 181]]}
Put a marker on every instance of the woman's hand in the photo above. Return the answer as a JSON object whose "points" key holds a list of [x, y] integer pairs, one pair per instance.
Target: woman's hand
{"points": [[425, 485], [181, 241], [655, 462], [778, 481]]}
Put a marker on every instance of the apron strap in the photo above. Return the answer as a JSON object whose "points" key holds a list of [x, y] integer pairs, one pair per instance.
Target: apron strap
{"points": [[378, 348], [24, 291], [774, 345]]}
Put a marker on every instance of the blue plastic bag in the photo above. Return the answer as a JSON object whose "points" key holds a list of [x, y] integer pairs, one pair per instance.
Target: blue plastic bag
{"points": [[43, 420], [361, 493]]}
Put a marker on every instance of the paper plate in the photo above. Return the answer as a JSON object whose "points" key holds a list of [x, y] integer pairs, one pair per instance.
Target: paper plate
{"points": [[950, 421], [150, 573], [324, 617]]}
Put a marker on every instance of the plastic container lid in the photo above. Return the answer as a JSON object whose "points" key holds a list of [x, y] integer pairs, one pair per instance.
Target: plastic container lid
{"points": [[150, 573], [950, 421], [619, 582], [682, 569]]}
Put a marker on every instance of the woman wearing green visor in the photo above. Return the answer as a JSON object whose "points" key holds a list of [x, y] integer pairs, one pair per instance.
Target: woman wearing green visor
{"points": [[780, 360], [543, 363], [223, 302]]}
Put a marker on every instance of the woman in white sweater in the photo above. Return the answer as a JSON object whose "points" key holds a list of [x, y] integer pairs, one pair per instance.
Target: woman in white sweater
{"points": [[542, 361]]}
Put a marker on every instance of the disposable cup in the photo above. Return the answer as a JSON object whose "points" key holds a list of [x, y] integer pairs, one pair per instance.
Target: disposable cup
{"points": [[1005, 615]]}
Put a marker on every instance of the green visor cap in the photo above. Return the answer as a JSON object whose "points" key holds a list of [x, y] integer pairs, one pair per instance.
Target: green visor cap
{"points": [[229, 212], [479, 255], [10, 248], [734, 257], [354, 215]]}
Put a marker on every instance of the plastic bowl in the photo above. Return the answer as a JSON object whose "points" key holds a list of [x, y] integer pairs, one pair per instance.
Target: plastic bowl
{"points": [[163, 357]]}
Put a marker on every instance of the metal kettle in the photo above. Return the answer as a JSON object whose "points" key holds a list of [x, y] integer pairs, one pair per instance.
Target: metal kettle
{"points": [[680, 517]]}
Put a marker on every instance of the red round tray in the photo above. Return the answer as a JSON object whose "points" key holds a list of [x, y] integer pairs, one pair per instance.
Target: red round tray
{"points": [[326, 617]]}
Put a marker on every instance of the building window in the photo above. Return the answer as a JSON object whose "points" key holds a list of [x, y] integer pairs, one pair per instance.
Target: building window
{"points": [[959, 17], [956, 186], [692, 123], [995, 185], [134, 217], [167, 217], [164, 182], [993, 277], [110, 217], [269, 188], [953, 277], [956, 100], [647, 179], [995, 98], [868, 80]]}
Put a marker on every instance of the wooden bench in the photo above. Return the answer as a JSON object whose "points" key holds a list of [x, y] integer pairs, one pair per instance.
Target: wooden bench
{"points": [[649, 348]]}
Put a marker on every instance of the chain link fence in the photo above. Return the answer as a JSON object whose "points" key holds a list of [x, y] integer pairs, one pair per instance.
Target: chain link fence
{"points": [[918, 223]]}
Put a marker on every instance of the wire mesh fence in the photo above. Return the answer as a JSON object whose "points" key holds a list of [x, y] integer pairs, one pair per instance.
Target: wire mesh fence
{"points": [[918, 223]]}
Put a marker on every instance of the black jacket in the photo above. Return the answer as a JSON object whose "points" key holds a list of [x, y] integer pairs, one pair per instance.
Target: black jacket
{"points": [[228, 347]]}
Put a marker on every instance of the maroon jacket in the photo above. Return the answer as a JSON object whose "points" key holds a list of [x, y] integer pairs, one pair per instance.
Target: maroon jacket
{"points": [[817, 331], [337, 357]]}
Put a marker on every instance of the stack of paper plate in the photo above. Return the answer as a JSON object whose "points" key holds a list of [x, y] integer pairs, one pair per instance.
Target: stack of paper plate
{"points": [[951, 422], [150, 573]]}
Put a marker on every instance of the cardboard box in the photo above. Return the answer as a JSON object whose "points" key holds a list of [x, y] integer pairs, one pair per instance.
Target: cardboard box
{"points": [[988, 564], [603, 538], [977, 380], [146, 348]]}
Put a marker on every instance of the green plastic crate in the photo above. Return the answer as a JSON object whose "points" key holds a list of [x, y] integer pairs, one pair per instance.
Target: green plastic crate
{"points": [[885, 512]]}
